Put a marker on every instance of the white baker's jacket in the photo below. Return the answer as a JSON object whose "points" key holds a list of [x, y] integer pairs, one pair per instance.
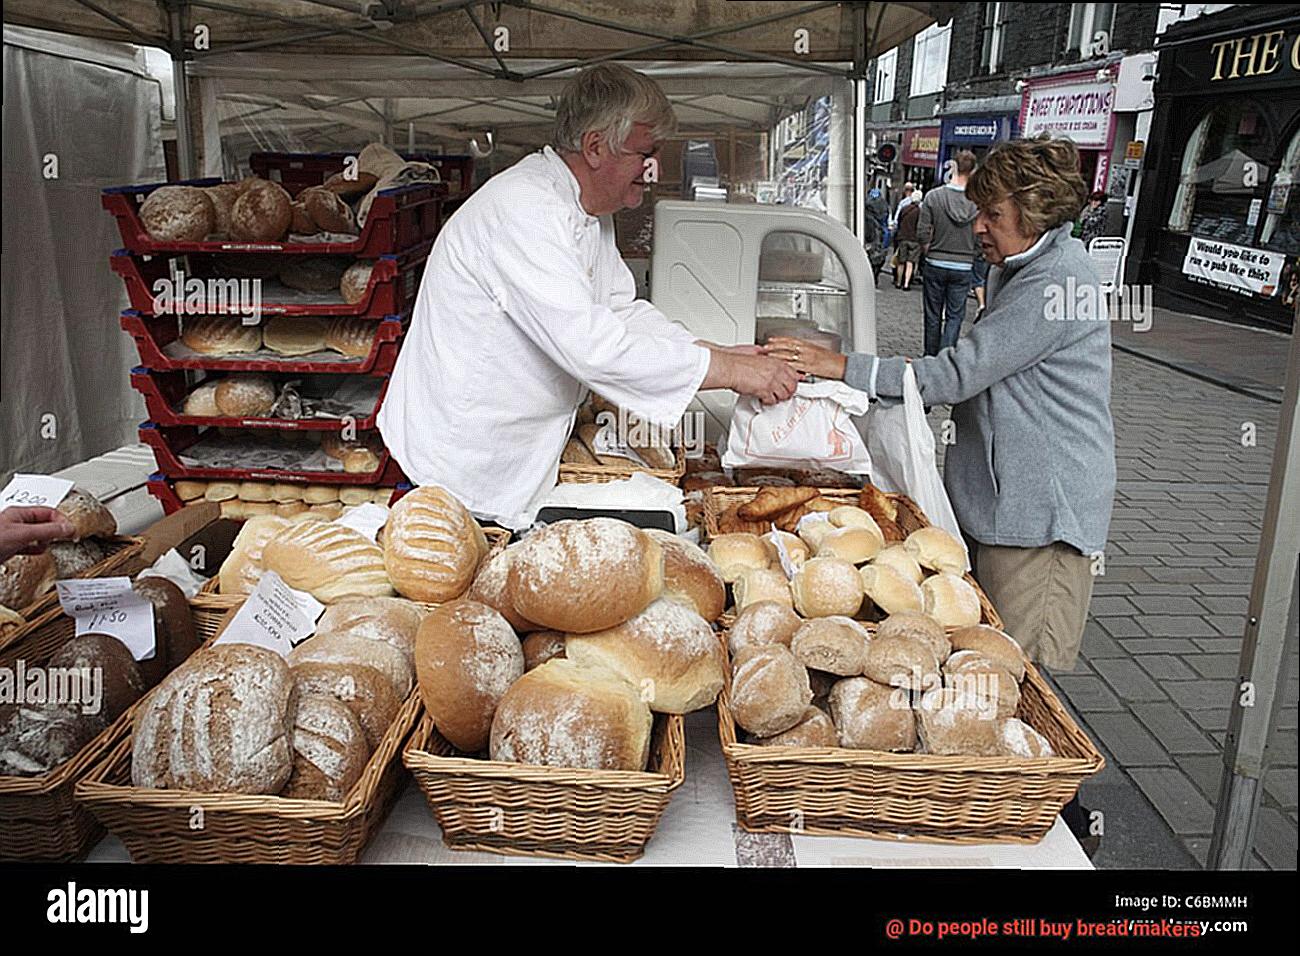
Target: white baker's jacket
{"points": [[524, 304]]}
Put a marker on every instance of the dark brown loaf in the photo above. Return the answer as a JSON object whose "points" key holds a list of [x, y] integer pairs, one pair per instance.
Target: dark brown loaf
{"points": [[351, 188], [35, 740], [222, 196], [262, 213], [173, 626], [72, 559], [24, 578], [177, 214], [121, 683], [300, 221], [329, 750], [327, 210], [314, 273]]}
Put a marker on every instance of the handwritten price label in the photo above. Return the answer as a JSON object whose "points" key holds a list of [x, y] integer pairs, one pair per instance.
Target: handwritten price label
{"points": [[109, 606], [275, 616], [26, 491]]}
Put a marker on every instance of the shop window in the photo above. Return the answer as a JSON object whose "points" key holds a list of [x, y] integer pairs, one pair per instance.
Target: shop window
{"points": [[1223, 172], [993, 31], [1090, 28], [930, 60], [1282, 222], [886, 70]]}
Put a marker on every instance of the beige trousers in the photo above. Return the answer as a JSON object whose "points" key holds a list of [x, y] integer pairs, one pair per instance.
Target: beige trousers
{"points": [[1042, 595]]}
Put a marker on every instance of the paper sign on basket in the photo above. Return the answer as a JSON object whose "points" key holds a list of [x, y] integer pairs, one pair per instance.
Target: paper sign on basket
{"points": [[787, 564], [25, 491], [365, 518], [274, 616], [109, 606]]}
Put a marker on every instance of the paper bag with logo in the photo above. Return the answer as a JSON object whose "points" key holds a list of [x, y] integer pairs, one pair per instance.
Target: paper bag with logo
{"points": [[813, 428]]}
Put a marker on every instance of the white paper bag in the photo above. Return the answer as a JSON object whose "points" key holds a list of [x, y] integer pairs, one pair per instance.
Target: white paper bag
{"points": [[902, 450], [812, 428]]}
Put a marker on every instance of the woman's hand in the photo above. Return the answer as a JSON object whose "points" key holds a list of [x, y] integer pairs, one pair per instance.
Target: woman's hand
{"points": [[807, 357]]}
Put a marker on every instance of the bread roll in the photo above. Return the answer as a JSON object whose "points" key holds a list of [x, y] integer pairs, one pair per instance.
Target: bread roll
{"points": [[851, 516], [889, 590], [690, 575], [315, 274], [235, 510], [466, 658], [327, 210], [393, 621], [897, 556], [1017, 739], [565, 714], [580, 577], [836, 645], [901, 662], [72, 559], [290, 509], [937, 550], [254, 491], [853, 543], [957, 723], [254, 508], [351, 336], [996, 645], [769, 690], [383, 496], [328, 560], [356, 280], [763, 623], [329, 750], [733, 554], [87, 515], [221, 491], [950, 600], [220, 335], [295, 334], [971, 671], [25, 577], [871, 716], [914, 626], [328, 511], [262, 213], [432, 545], [668, 652], [814, 531], [795, 549], [762, 584], [175, 638], [245, 395], [360, 461], [359, 185], [190, 490], [827, 586], [490, 587], [223, 723], [341, 647], [222, 196], [813, 730], [121, 683], [363, 690], [541, 646], [320, 494], [177, 214], [242, 568], [576, 453]]}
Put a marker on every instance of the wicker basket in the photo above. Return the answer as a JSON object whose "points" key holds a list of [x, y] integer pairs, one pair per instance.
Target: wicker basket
{"points": [[570, 473], [39, 820], [524, 810], [719, 500]]}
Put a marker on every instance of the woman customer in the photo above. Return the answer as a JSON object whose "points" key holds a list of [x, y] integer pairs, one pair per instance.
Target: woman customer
{"points": [[1092, 223]]}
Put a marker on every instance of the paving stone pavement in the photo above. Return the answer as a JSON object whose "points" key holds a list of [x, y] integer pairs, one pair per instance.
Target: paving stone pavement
{"points": [[1158, 667]]}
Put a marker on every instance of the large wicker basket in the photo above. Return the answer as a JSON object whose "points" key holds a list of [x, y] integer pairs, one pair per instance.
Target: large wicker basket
{"points": [[39, 819], [598, 473], [527, 810]]}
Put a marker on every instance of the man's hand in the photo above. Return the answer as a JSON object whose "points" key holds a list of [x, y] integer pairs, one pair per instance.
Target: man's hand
{"points": [[29, 530], [764, 378]]}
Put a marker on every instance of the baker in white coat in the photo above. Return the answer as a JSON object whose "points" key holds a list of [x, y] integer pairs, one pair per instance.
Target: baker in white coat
{"points": [[525, 304]]}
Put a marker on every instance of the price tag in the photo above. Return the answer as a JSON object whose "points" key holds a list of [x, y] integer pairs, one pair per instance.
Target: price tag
{"points": [[109, 606], [274, 616], [365, 518], [787, 563], [25, 491]]}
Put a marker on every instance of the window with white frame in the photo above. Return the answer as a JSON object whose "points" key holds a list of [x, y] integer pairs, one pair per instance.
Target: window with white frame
{"points": [[1090, 28], [993, 32], [886, 71], [930, 60]]}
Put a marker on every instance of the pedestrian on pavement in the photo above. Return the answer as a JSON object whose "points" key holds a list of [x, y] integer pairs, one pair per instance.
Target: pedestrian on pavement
{"points": [[908, 249], [948, 244], [1092, 223], [909, 196], [979, 272]]}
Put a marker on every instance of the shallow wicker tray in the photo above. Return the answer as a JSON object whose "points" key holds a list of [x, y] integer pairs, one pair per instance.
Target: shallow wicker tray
{"points": [[570, 473], [39, 818], [525, 810]]}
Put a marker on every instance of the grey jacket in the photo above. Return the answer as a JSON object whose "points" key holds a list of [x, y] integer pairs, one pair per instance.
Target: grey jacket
{"points": [[1034, 457], [947, 225]]}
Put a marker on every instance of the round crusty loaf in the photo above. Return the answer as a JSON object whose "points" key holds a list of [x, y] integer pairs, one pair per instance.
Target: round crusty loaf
{"points": [[351, 336], [175, 638], [262, 213], [356, 280], [313, 273], [363, 690], [220, 335], [950, 600], [177, 214], [915, 626], [690, 574], [734, 554], [245, 395], [996, 645], [972, 671], [327, 210], [300, 221], [88, 516], [328, 560], [1017, 739], [72, 559], [329, 750], [222, 196], [769, 690], [393, 621], [24, 578], [121, 683], [340, 647], [871, 716], [202, 402], [813, 730], [900, 559], [466, 658], [762, 584], [432, 545], [762, 623], [827, 586], [580, 577], [242, 568], [295, 334], [565, 714], [541, 646], [37, 739], [222, 723], [889, 590], [937, 550], [853, 543], [668, 652], [490, 587], [901, 661], [957, 723], [836, 645], [795, 548]]}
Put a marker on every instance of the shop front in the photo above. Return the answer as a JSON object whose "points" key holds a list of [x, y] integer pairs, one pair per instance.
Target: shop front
{"points": [[920, 155], [976, 133], [1079, 106], [1222, 235]]}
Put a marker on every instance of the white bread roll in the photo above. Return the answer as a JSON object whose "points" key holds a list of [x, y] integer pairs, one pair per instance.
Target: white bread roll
{"points": [[996, 645], [937, 550], [950, 600], [466, 658], [580, 577], [889, 590], [177, 214], [326, 512], [896, 556], [220, 723], [295, 334], [490, 587], [541, 646], [853, 543], [329, 561], [339, 647], [290, 509], [971, 671], [827, 586], [851, 516], [320, 494], [812, 532], [391, 620], [432, 545], [915, 626], [220, 335], [668, 652], [187, 490], [957, 723], [330, 750], [1017, 739], [734, 554], [254, 491], [813, 730], [796, 549], [234, 509], [355, 495], [284, 492], [835, 645], [901, 662], [769, 690], [690, 575], [763, 623], [871, 716], [245, 395], [242, 568], [565, 714], [762, 584], [221, 491]]}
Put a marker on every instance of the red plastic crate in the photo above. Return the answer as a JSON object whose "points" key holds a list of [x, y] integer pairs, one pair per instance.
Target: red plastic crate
{"points": [[169, 442], [153, 333], [297, 171], [164, 392], [399, 220], [163, 488], [394, 282]]}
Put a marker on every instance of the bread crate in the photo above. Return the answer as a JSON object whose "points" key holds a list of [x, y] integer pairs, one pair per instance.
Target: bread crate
{"points": [[297, 171]]}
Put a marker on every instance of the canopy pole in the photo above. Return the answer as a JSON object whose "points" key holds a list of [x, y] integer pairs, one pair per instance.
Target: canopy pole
{"points": [[176, 46], [1270, 628]]}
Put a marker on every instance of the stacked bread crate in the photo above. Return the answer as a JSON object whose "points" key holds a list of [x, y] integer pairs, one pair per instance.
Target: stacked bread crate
{"points": [[268, 314]]}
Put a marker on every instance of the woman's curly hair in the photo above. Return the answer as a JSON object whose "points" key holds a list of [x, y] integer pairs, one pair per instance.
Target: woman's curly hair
{"points": [[1041, 176]]}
